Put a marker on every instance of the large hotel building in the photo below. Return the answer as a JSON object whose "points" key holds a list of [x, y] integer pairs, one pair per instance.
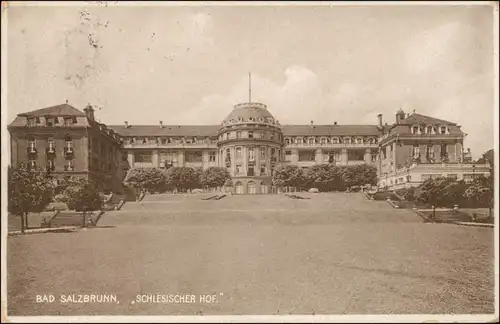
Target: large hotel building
{"points": [[249, 142]]}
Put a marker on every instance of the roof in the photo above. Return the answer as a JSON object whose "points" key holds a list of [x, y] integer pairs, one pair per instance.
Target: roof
{"points": [[59, 110], [211, 130], [248, 110], [167, 130], [418, 118], [330, 130]]}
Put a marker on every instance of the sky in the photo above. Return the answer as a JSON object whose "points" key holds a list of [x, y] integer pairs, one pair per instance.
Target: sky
{"points": [[322, 63]]}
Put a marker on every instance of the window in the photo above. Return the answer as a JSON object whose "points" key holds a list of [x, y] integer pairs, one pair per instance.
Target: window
{"points": [[211, 157], [194, 156], [262, 153], [262, 135], [250, 171], [251, 154], [299, 140], [442, 130], [31, 164], [238, 134], [68, 121], [335, 140], [250, 134], [306, 155], [238, 168], [31, 122], [323, 140], [415, 151], [32, 144], [414, 130], [288, 155], [311, 140], [429, 129], [370, 140], [262, 169], [238, 152], [374, 157], [143, 157], [52, 145], [452, 176], [49, 121], [68, 165], [429, 151], [355, 155], [287, 141], [347, 140], [326, 157], [359, 140], [50, 165]]}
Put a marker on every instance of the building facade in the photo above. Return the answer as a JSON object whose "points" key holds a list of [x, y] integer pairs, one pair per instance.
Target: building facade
{"points": [[68, 143], [249, 143]]}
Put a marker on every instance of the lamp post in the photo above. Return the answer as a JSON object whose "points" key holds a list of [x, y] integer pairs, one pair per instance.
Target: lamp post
{"points": [[473, 172]]}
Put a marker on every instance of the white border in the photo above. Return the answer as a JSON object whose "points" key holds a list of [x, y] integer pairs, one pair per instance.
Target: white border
{"points": [[5, 158]]}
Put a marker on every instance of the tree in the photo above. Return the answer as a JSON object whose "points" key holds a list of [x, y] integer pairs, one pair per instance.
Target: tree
{"points": [[286, 175], [359, 175], [325, 177], [214, 177], [83, 196], [183, 178], [29, 191], [480, 192], [152, 180], [488, 157]]}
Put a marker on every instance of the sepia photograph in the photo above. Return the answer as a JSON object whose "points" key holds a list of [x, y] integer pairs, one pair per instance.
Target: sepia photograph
{"points": [[220, 161]]}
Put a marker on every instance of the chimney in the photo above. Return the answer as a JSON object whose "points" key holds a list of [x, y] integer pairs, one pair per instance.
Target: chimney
{"points": [[379, 120], [161, 124], [335, 123], [312, 123], [126, 124], [89, 111], [400, 116], [66, 100]]}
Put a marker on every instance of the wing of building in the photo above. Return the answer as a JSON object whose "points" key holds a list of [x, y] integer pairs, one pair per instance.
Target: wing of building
{"points": [[249, 142]]}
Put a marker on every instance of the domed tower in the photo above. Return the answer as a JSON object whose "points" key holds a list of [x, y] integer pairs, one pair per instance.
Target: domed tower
{"points": [[250, 143]]}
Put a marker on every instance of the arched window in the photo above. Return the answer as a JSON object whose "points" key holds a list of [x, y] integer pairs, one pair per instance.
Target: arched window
{"points": [[442, 130], [370, 140], [359, 140], [323, 140], [299, 140], [414, 129], [263, 188], [347, 140], [311, 140], [238, 188], [335, 140], [251, 188], [429, 129]]}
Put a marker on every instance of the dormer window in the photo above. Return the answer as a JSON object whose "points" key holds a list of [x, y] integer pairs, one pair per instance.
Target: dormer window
{"points": [[414, 130], [335, 140], [50, 121], [251, 119], [311, 140], [240, 119], [429, 129], [287, 141], [323, 140], [359, 140], [347, 140], [442, 130], [299, 140], [69, 121], [31, 122], [144, 140]]}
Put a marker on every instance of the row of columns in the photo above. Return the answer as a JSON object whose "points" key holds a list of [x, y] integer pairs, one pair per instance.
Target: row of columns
{"points": [[180, 158]]}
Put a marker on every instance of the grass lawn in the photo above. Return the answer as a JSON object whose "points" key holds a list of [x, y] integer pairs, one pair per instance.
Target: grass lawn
{"points": [[331, 254]]}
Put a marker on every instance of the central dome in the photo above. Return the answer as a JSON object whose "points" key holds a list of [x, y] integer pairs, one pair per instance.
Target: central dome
{"points": [[252, 112]]}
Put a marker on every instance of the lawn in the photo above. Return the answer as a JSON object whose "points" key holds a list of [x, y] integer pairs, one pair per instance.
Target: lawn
{"points": [[331, 254]]}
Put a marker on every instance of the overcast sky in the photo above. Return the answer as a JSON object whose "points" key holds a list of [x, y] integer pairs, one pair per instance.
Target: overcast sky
{"points": [[189, 65]]}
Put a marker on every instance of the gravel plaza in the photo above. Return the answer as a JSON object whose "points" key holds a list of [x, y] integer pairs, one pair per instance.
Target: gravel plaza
{"points": [[335, 253]]}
